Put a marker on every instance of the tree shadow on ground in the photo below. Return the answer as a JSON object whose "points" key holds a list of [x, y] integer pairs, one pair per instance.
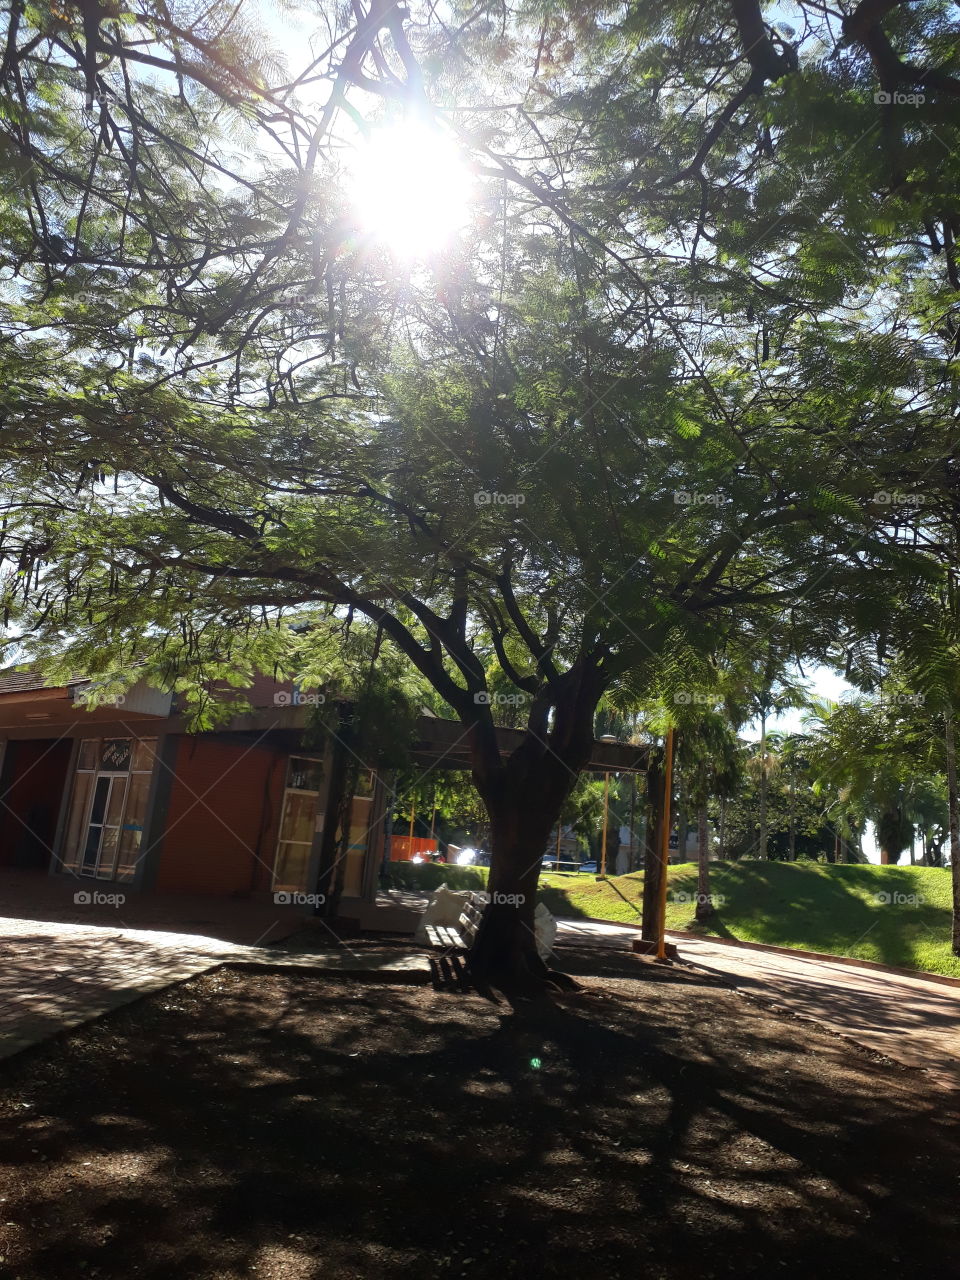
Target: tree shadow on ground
{"points": [[652, 1122]]}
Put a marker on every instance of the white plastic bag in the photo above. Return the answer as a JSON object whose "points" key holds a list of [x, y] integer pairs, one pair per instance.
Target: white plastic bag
{"points": [[545, 927]]}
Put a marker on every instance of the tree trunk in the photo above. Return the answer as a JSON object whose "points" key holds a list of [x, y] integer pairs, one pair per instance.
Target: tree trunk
{"points": [[888, 826], [613, 832], [762, 835], [653, 868], [505, 952], [631, 858], [524, 796], [954, 809], [792, 849], [704, 902], [338, 805]]}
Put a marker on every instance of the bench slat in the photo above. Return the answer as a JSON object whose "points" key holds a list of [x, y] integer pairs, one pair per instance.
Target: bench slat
{"points": [[442, 936], [463, 935]]}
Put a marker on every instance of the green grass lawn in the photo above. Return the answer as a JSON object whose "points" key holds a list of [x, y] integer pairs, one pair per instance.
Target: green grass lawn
{"points": [[895, 915]]}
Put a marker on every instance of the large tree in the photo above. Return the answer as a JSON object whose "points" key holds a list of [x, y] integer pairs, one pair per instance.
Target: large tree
{"points": [[609, 432]]}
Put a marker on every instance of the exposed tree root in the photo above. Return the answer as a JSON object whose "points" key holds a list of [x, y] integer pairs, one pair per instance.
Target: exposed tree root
{"points": [[519, 977]]}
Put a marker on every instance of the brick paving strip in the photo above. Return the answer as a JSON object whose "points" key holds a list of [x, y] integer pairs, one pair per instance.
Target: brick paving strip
{"points": [[55, 976]]}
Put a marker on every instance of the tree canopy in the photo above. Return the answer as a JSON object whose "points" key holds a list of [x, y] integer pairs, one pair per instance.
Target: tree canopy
{"points": [[683, 381]]}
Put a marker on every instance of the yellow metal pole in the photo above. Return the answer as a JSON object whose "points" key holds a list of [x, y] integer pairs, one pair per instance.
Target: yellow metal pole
{"points": [[665, 844], [606, 814], [413, 814]]}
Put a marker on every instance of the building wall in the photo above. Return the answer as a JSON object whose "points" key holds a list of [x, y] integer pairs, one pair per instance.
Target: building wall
{"points": [[31, 785], [220, 833]]}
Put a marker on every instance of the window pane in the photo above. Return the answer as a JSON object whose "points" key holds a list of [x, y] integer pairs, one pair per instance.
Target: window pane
{"points": [[144, 754], [304, 775], [360, 813], [299, 814], [87, 758], [90, 850], [131, 834], [291, 870], [91, 837], [115, 808], [82, 786], [100, 800], [108, 853]]}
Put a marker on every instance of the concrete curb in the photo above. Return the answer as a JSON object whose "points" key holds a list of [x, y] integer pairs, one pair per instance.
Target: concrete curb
{"points": [[384, 974]]}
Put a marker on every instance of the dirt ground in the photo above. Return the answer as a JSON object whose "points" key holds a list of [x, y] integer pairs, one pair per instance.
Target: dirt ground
{"points": [[653, 1125]]}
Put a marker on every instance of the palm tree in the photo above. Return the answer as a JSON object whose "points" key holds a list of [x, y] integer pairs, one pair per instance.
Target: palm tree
{"points": [[755, 691], [709, 758]]}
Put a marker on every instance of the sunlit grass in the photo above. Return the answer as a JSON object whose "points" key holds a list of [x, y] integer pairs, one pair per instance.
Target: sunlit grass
{"points": [[811, 906]]}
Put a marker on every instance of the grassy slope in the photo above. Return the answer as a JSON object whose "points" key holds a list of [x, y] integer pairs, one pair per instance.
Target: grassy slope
{"points": [[810, 906]]}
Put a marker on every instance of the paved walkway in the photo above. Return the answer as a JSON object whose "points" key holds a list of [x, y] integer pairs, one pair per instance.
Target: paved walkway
{"points": [[912, 1020], [55, 975]]}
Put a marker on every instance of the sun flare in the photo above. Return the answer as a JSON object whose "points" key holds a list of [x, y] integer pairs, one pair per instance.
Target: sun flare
{"points": [[410, 189]]}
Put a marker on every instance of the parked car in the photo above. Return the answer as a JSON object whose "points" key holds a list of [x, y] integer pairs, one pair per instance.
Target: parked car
{"points": [[589, 866]]}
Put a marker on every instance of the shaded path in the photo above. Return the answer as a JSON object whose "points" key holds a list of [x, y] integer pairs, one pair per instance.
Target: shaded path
{"points": [[55, 975], [912, 1020]]}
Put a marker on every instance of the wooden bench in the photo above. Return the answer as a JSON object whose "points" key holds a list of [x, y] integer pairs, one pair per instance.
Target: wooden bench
{"points": [[460, 938], [449, 969]]}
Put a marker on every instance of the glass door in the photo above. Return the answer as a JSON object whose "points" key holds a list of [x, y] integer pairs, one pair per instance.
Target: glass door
{"points": [[298, 823], [110, 838], [103, 827], [108, 807]]}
